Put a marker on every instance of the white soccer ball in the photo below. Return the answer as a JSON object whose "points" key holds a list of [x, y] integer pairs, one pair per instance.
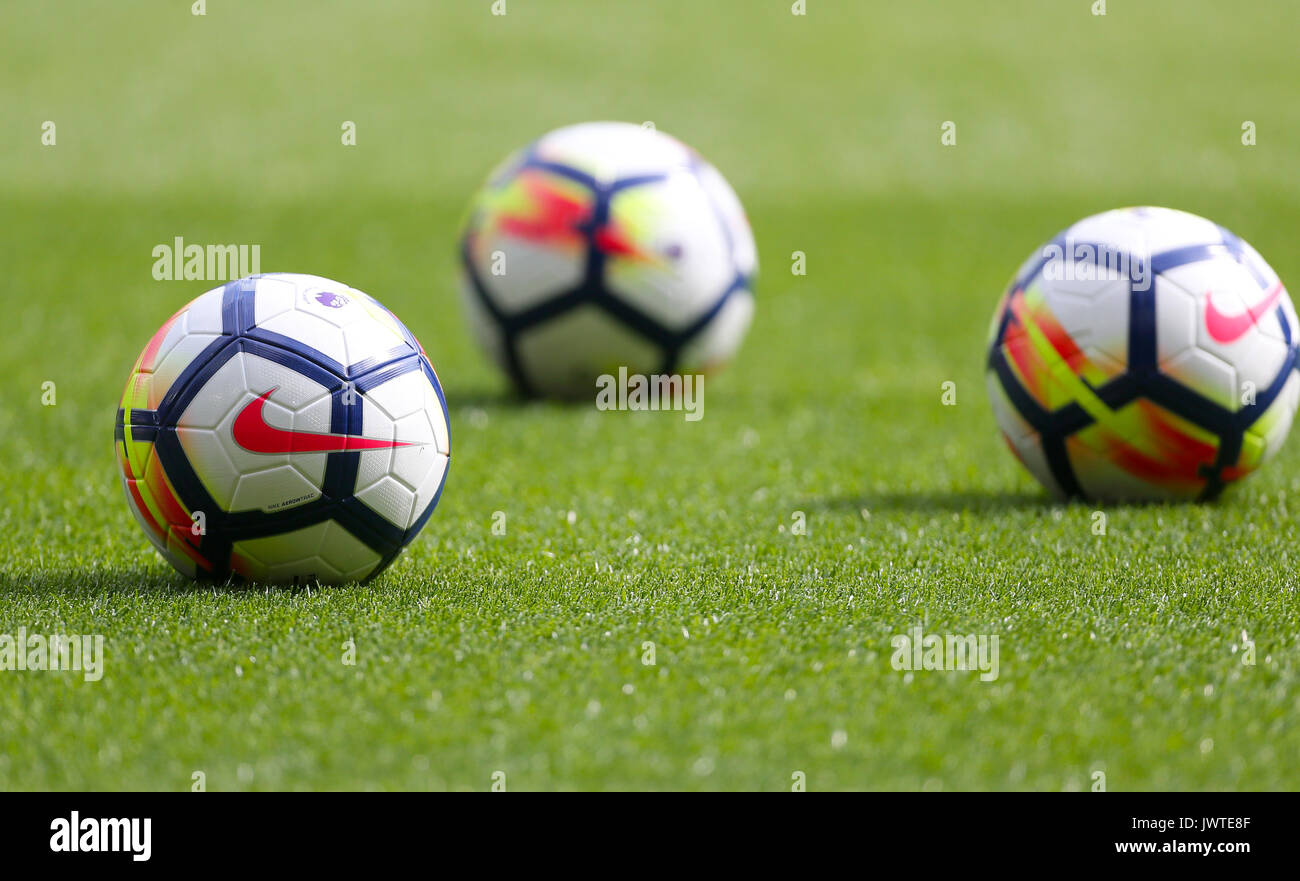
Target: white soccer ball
{"points": [[285, 428], [1144, 353], [606, 245]]}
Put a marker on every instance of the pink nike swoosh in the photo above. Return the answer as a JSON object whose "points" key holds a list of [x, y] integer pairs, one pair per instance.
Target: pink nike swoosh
{"points": [[1227, 328], [252, 432]]}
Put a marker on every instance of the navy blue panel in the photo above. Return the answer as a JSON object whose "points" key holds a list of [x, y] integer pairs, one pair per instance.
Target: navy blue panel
{"points": [[366, 365], [214, 545], [346, 417], [309, 353], [197, 370], [144, 424], [1142, 330], [560, 169], [594, 281], [1167, 260], [1058, 462], [388, 371], [1028, 408], [738, 283], [637, 181], [231, 323], [247, 314], [551, 307], [1179, 399], [1119, 391], [678, 339], [1052, 429], [372, 528], [637, 320]]}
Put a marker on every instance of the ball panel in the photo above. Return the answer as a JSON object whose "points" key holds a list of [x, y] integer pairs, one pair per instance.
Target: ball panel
{"points": [[177, 343], [1093, 314], [1142, 451], [1176, 320], [323, 551], [1045, 360], [483, 325], [1145, 231], [242, 480], [1020, 437], [526, 240], [1207, 375], [731, 213], [390, 499], [310, 331], [399, 483], [563, 356], [178, 359], [1231, 330], [715, 344], [1264, 438], [667, 254], [344, 325], [609, 151], [207, 456], [276, 488], [159, 511]]}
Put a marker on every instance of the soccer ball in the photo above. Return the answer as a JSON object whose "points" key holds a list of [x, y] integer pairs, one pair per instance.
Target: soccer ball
{"points": [[606, 245], [1144, 354], [285, 428]]}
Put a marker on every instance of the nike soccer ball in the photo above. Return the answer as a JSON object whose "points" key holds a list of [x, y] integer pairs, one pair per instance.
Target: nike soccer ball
{"points": [[1144, 354], [285, 428], [606, 245]]}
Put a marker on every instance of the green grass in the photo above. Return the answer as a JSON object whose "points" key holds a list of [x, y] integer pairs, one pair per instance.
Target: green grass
{"points": [[478, 653]]}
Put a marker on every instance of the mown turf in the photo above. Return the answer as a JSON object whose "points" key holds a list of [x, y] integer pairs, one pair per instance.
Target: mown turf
{"points": [[523, 653]]}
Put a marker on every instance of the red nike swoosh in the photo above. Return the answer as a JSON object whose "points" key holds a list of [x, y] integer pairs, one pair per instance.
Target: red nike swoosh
{"points": [[252, 432], [1227, 328]]}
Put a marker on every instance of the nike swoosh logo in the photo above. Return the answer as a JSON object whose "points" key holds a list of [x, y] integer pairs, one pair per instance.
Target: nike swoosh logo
{"points": [[252, 432], [1228, 328]]}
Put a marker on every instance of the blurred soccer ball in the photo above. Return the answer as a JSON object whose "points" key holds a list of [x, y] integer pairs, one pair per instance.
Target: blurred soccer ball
{"points": [[285, 428], [606, 245], [1144, 353]]}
